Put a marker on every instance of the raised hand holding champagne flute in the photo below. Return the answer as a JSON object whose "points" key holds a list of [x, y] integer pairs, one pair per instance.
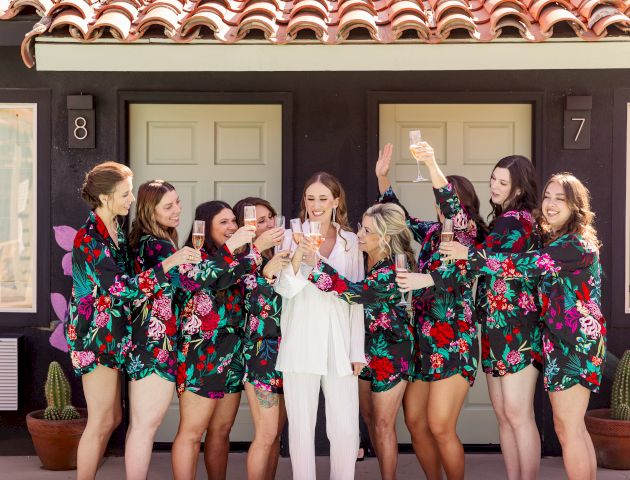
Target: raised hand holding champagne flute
{"points": [[249, 220], [415, 147]]}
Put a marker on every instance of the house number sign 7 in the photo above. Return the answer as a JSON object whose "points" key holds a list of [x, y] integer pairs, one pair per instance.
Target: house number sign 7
{"points": [[577, 123], [81, 133]]}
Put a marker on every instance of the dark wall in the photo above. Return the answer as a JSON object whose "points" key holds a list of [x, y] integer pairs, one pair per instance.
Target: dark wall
{"points": [[330, 125]]}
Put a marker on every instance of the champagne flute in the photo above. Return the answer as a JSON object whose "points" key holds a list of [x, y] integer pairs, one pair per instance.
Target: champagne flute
{"points": [[198, 234], [316, 233], [447, 235], [279, 223], [401, 266], [296, 230], [249, 219], [414, 142]]}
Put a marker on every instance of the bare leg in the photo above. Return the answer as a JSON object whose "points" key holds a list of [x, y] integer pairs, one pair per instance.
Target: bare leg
{"points": [[149, 399], [268, 423], [569, 407], [415, 407], [518, 405], [217, 445], [365, 407], [101, 388], [194, 415], [446, 398], [506, 434], [272, 466], [385, 406]]}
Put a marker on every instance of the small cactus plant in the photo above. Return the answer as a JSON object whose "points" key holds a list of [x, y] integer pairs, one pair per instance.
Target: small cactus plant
{"points": [[620, 401], [58, 395]]}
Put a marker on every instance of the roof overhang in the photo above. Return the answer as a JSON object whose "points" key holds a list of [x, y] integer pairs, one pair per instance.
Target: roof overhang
{"points": [[159, 55]]}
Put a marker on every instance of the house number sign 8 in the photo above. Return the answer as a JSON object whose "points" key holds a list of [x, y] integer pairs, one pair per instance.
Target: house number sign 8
{"points": [[81, 133], [577, 123]]}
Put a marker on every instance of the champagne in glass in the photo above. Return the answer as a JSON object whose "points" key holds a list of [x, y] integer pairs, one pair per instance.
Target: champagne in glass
{"points": [[198, 234], [279, 219], [447, 235], [296, 230], [249, 219], [414, 143], [401, 266], [316, 233]]}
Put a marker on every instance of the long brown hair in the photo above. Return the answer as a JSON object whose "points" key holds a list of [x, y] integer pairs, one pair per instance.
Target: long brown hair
{"points": [[334, 185], [524, 190], [578, 199], [239, 212], [469, 200], [150, 194], [239, 208], [102, 180]]}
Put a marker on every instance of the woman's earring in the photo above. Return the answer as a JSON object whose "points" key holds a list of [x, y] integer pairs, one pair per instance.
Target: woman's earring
{"points": [[334, 215]]}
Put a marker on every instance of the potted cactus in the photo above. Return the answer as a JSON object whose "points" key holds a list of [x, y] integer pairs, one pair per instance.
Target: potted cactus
{"points": [[610, 427], [56, 431]]}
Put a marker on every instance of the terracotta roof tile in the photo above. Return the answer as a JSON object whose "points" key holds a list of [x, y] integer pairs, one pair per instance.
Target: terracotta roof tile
{"points": [[331, 22]]}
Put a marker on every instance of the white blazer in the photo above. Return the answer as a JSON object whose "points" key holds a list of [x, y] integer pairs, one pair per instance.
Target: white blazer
{"points": [[321, 334]]}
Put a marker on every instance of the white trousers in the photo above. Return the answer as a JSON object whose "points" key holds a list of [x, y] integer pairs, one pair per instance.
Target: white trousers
{"points": [[301, 396]]}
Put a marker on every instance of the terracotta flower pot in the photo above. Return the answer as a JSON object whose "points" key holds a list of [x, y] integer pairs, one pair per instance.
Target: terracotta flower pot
{"points": [[56, 441], [611, 439]]}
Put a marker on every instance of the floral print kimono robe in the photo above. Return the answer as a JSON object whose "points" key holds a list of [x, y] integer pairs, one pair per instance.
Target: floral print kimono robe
{"points": [[155, 327], [445, 326], [389, 341], [210, 356], [509, 315], [262, 332], [568, 273], [103, 295]]}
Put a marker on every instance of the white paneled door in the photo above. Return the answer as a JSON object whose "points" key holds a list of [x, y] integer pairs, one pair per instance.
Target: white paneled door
{"points": [[208, 152], [468, 140]]}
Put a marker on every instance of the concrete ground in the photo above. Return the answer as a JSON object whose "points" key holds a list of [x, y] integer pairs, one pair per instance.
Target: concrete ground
{"points": [[478, 466]]}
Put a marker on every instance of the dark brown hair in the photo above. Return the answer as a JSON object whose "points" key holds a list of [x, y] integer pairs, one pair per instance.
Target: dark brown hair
{"points": [[469, 201], [102, 180], [206, 212], [582, 218], [523, 179], [239, 208], [150, 194]]}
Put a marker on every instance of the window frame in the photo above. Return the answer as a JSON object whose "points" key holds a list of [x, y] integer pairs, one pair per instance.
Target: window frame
{"points": [[619, 272], [34, 227], [41, 100]]}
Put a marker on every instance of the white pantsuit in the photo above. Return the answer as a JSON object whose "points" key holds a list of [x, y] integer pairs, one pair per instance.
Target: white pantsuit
{"points": [[321, 337]]}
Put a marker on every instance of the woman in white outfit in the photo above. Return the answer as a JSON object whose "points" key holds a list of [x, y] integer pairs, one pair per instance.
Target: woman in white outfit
{"points": [[322, 338]]}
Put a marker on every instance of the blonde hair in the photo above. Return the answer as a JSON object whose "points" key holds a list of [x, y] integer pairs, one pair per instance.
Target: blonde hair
{"points": [[389, 220], [578, 200]]}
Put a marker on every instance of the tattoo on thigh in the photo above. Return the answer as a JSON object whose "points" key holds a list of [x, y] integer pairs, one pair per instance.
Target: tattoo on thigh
{"points": [[266, 399]]}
